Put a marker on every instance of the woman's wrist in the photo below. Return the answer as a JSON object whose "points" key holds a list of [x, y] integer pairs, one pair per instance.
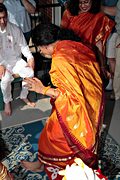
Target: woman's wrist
{"points": [[52, 92], [45, 89]]}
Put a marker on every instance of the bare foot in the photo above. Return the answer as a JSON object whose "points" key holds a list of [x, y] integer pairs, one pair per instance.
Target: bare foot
{"points": [[33, 166], [32, 104], [8, 110]]}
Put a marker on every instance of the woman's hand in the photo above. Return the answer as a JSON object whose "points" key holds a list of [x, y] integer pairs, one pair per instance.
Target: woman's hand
{"points": [[34, 84]]}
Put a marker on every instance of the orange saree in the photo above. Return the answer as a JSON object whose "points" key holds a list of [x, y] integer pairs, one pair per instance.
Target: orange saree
{"points": [[90, 27], [72, 130]]}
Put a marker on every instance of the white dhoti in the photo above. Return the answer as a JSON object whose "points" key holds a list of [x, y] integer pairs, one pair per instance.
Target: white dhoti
{"points": [[23, 71]]}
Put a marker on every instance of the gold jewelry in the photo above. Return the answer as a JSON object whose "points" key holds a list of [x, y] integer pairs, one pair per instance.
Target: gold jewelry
{"points": [[54, 96], [3, 173], [45, 89], [2, 170]]}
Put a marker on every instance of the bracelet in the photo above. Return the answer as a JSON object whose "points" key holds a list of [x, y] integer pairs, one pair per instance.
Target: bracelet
{"points": [[53, 96], [45, 89]]}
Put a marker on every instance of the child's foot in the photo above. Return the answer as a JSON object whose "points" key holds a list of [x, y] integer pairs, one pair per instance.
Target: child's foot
{"points": [[8, 110], [32, 104]]}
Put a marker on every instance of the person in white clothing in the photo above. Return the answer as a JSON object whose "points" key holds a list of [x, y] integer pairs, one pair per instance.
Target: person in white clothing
{"points": [[12, 44], [19, 13]]}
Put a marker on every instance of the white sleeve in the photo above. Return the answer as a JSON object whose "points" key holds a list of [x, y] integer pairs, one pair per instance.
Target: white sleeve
{"points": [[26, 52], [24, 47], [2, 60]]}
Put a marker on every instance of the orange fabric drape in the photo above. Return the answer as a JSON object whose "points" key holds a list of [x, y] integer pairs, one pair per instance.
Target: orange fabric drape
{"points": [[90, 27], [73, 126]]}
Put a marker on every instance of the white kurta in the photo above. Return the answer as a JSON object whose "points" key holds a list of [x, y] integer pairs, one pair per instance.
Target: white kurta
{"points": [[12, 43]]}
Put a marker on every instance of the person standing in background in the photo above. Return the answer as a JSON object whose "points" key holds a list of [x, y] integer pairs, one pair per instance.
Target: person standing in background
{"points": [[19, 13], [115, 11], [110, 45], [116, 80], [86, 20]]}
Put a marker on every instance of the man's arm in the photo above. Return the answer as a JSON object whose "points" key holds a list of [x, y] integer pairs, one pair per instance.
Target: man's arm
{"points": [[2, 71], [110, 10], [28, 6]]}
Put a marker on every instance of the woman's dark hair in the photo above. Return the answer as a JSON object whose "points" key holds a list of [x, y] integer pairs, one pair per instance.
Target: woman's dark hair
{"points": [[73, 7], [44, 34], [3, 8]]}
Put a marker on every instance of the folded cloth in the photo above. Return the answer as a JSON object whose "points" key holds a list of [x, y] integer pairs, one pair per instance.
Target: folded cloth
{"points": [[22, 69]]}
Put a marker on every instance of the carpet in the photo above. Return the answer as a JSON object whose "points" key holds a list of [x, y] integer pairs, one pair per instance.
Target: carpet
{"points": [[21, 143], [109, 155]]}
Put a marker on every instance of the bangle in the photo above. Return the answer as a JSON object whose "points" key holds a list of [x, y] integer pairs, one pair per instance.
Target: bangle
{"points": [[54, 96], [56, 93], [45, 89]]}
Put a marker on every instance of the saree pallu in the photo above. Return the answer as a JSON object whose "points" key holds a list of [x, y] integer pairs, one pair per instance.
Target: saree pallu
{"points": [[72, 130], [90, 27]]}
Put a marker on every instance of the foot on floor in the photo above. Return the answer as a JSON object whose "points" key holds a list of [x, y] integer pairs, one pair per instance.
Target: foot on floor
{"points": [[32, 104]]}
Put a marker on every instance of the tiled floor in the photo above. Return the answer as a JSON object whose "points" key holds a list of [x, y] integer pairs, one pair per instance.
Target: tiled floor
{"points": [[23, 113]]}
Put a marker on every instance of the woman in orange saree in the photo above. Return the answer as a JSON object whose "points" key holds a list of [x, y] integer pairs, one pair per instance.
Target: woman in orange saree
{"points": [[72, 130], [86, 20], [91, 25]]}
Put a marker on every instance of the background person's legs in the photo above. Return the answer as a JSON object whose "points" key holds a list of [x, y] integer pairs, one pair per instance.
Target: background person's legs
{"points": [[110, 54], [116, 80]]}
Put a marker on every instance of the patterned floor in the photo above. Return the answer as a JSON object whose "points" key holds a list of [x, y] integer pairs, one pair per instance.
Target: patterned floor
{"points": [[21, 143], [109, 154]]}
